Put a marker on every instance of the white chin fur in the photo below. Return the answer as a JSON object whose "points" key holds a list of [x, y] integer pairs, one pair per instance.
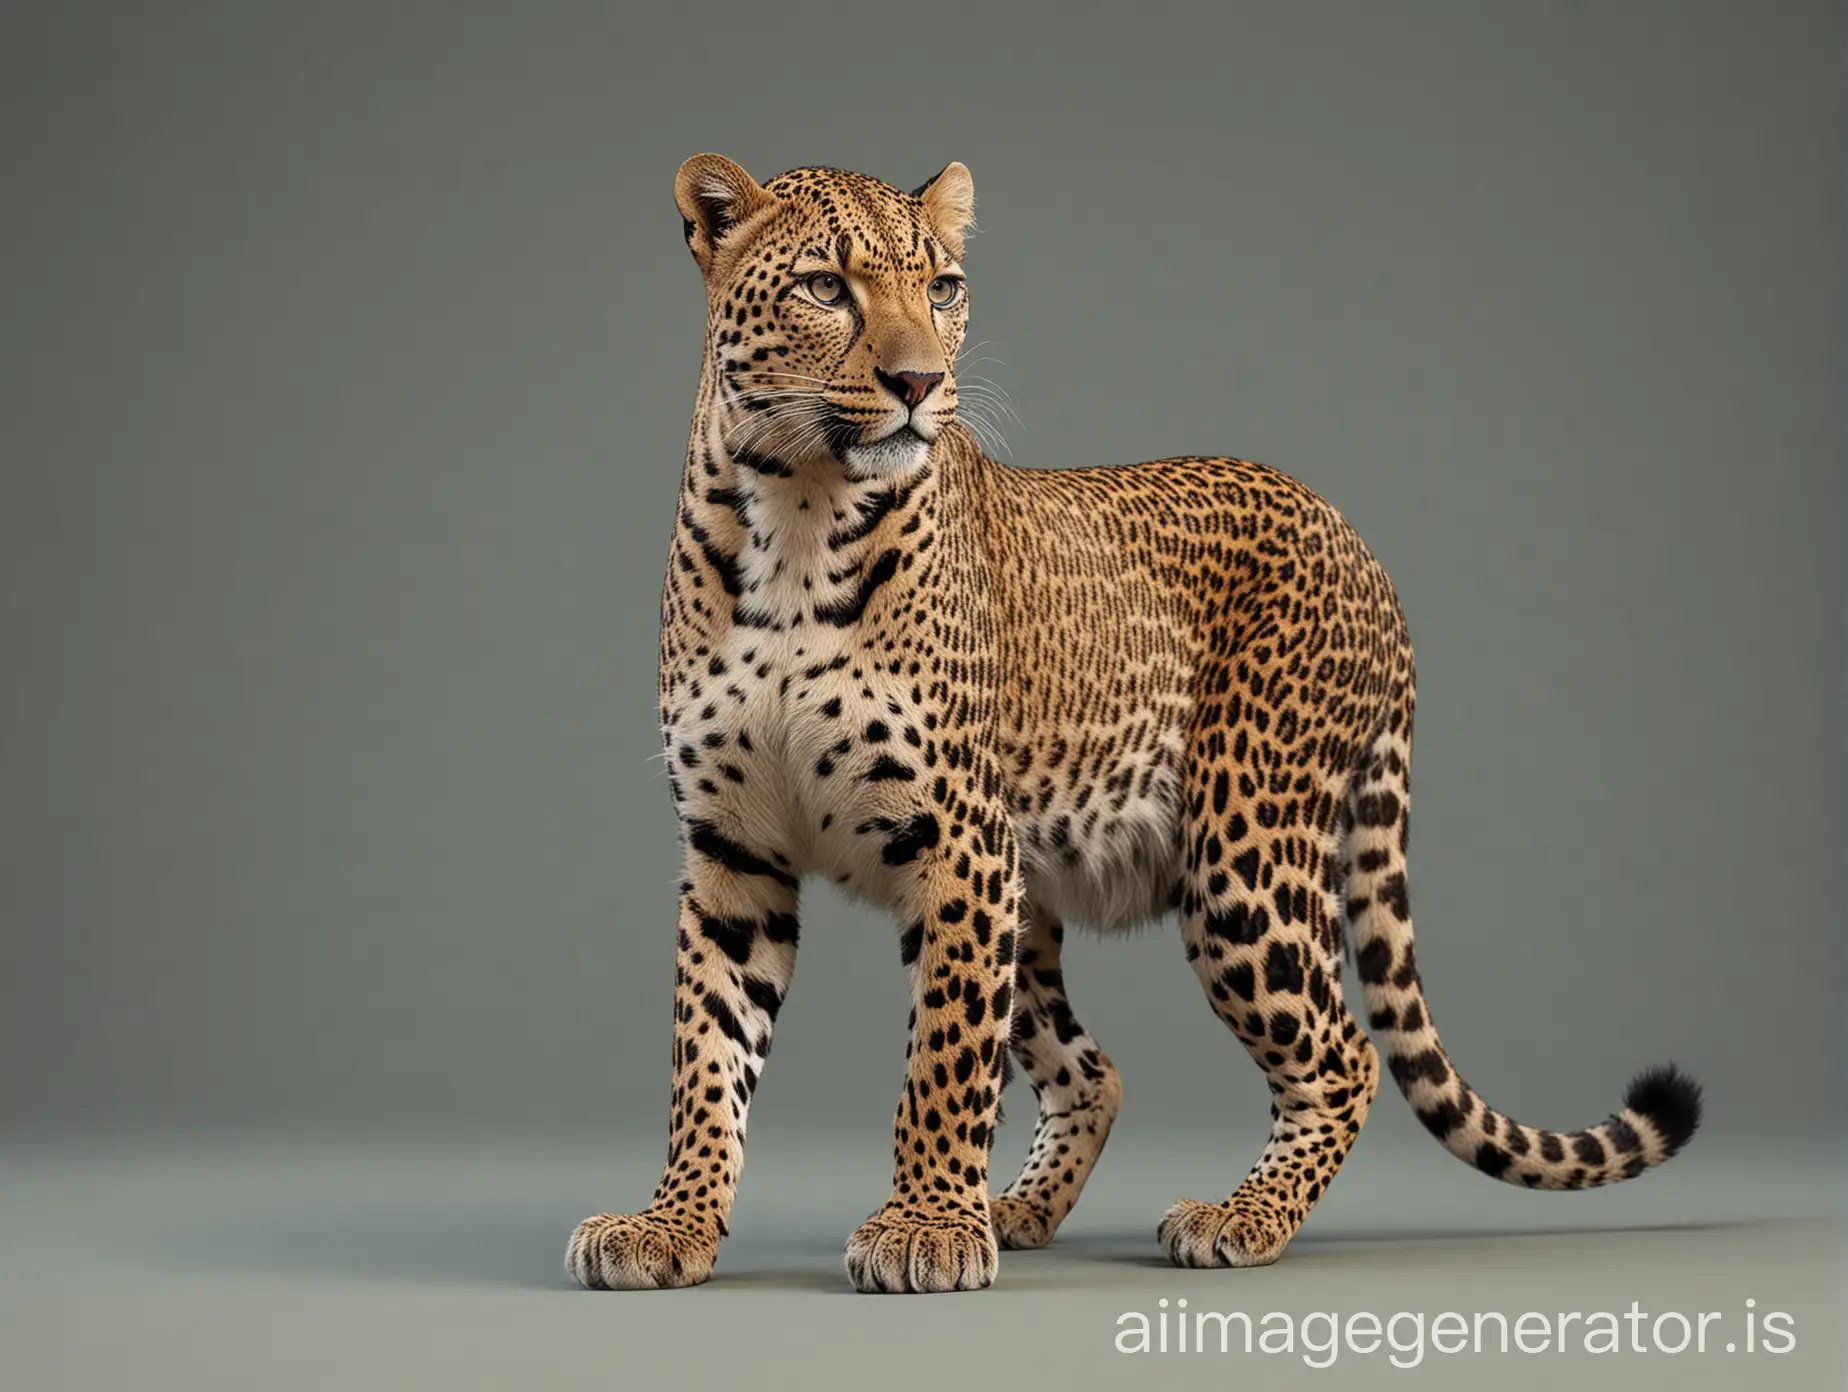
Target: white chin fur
{"points": [[899, 453]]}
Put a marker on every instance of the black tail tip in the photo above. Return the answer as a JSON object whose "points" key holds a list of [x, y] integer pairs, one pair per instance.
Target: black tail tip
{"points": [[1670, 1099]]}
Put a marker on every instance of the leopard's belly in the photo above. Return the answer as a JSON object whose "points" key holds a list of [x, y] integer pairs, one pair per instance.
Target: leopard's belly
{"points": [[1106, 855]]}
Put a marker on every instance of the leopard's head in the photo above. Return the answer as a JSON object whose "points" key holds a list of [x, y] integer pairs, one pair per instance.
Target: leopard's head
{"points": [[837, 306]]}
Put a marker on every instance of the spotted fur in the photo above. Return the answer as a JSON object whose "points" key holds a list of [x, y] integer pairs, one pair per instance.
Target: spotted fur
{"points": [[991, 700]]}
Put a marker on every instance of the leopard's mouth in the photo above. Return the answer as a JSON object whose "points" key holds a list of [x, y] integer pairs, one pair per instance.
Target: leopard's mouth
{"points": [[923, 432], [898, 451]]}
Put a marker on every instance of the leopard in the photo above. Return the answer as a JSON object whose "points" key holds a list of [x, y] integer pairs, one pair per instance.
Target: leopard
{"points": [[993, 701]]}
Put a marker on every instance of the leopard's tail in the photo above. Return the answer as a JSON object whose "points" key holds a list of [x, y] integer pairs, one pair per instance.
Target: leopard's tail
{"points": [[1661, 1108]]}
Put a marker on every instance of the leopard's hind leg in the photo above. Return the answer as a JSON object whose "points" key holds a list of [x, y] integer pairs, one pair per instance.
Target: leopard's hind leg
{"points": [[1074, 1082], [1261, 922]]}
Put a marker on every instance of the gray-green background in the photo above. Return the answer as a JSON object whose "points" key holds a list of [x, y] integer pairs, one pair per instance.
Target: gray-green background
{"points": [[346, 353]]}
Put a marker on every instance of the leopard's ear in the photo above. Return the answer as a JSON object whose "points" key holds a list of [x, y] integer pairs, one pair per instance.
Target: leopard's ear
{"points": [[949, 203], [715, 196]]}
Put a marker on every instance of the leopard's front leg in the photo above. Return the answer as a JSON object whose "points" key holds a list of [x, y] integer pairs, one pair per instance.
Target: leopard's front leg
{"points": [[934, 1233], [736, 952]]}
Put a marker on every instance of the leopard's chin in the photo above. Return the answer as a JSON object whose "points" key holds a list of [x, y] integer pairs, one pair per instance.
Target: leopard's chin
{"points": [[902, 452]]}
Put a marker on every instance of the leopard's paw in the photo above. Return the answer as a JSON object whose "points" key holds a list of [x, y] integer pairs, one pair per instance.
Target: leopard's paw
{"points": [[638, 1251], [898, 1251], [1021, 1224], [1203, 1234]]}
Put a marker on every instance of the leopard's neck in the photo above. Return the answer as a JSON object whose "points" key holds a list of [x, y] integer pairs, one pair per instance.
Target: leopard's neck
{"points": [[784, 545]]}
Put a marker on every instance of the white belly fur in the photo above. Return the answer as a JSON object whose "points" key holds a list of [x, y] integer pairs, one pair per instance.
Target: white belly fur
{"points": [[1116, 874]]}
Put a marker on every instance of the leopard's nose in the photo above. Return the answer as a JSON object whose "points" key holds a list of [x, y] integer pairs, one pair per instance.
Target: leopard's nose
{"points": [[909, 387]]}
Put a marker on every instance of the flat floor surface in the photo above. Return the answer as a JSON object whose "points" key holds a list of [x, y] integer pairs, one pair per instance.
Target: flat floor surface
{"points": [[269, 1263]]}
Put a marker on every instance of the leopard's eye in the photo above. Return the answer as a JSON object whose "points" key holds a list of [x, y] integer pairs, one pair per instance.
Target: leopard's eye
{"points": [[827, 288], [945, 291]]}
